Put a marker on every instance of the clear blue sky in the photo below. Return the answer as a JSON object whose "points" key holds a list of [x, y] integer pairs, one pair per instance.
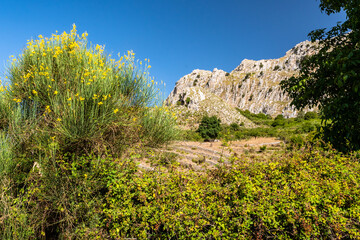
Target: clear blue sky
{"points": [[176, 35]]}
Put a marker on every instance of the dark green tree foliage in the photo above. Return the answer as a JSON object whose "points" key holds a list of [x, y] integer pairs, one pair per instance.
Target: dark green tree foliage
{"points": [[209, 127], [234, 127], [310, 115], [330, 79]]}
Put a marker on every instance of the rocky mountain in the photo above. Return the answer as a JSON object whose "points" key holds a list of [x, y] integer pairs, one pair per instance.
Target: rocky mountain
{"points": [[253, 85]]}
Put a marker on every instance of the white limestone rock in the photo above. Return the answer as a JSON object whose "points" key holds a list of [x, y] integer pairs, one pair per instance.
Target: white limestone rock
{"points": [[253, 85]]}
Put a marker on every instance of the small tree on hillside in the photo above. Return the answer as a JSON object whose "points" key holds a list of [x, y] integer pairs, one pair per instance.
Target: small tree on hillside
{"points": [[209, 127]]}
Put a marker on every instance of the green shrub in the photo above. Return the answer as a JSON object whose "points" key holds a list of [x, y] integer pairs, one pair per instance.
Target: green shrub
{"points": [[263, 148], [83, 99], [278, 122], [187, 101], [300, 115], [158, 126], [276, 68], [279, 117], [234, 127], [307, 127], [296, 141], [310, 115], [209, 127], [247, 76]]}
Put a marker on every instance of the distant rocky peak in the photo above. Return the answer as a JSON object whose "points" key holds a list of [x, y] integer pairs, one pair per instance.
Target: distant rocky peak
{"points": [[253, 85]]}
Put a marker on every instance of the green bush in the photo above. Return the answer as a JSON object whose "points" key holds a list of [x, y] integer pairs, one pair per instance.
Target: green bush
{"points": [[276, 68], [158, 126], [278, 122], [279, 117], [234, 127], [257, 118], [83, 99], [209, 127], [310, 115], [296, 141], [307, 127]]}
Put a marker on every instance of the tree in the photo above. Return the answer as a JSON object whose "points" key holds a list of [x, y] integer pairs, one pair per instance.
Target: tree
{"points": [[209, 127], [330, 79]]}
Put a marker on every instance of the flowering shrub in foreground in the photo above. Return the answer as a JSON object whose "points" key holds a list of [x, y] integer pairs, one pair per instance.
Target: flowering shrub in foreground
{"points": [[82, 98]]}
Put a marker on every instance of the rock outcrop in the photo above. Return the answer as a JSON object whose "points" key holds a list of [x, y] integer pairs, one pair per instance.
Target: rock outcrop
{"points": [[253, 85]]}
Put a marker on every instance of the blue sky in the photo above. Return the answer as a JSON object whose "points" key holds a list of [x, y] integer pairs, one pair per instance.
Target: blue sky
{"points": [[176, 35]]}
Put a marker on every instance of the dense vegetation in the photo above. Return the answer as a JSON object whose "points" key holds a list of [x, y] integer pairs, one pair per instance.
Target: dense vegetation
{"points": [[312, 193], [74, 122], [330, 78], [67, 99]]}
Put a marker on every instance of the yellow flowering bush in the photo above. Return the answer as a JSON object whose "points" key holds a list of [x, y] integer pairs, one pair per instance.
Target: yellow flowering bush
{"points": [[80, 94]]}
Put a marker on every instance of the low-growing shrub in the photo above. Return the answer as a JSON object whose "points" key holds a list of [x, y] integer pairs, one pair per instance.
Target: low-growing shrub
{"points": [[296, 141], [263, 148], [234, 127], [310, 115], [307, 127], [102, 197], [278, 122]]}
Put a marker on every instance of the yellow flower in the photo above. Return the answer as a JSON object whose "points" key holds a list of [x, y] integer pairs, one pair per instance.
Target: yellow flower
{"points": [[95, 96], [116, 110], [82, 99], [34, 92], [149, 66], [55, 92], [58, 119], [69, 99], [100, 103], [47, 109]]}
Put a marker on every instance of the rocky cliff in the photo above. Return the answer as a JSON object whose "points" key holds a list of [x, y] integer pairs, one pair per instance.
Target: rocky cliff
{"points": [[253, 85]]}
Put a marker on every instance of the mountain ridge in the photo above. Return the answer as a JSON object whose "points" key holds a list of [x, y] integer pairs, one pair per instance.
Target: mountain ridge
{"points": [[253, 85]]}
